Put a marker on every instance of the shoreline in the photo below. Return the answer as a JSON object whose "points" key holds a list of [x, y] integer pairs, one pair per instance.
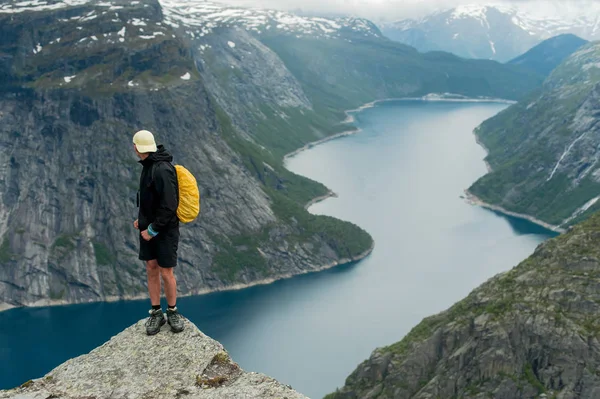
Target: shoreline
{"points": [[472, 199], [234, 287], [487, 152], [316, 200], [320, 141], [351, 119], [476, 201]]}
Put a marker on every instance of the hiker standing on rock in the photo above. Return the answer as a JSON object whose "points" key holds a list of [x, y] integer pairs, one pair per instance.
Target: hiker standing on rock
{"points": [[158, 223]]}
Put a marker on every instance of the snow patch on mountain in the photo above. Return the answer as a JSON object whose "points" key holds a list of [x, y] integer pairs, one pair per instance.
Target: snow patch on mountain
{"points": [[206, 16], [496, 31], [473, 11], [39, 5], [544, 22]]}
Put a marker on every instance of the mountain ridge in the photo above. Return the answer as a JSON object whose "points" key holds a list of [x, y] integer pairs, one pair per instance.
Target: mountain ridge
{"points": [[489, 31], [542, 150], [549, 54]]}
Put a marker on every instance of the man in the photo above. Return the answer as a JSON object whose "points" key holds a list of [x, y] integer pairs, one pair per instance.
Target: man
{"points": [[159, 227]]}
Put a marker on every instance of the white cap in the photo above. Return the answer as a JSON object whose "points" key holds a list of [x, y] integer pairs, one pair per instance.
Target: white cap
{"points": [[144, 142]]}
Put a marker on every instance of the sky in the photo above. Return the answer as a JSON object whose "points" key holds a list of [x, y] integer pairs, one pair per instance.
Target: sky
{"points": [[379, 10]]}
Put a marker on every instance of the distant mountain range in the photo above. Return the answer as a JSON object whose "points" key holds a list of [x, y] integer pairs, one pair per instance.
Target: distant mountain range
{"points": [[496, 32]]}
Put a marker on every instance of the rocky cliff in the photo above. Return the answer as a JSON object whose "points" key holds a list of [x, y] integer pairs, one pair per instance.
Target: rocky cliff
{"points": [[229, 91], [165, 366], [76, 82], [544, 151], [531, 332]]}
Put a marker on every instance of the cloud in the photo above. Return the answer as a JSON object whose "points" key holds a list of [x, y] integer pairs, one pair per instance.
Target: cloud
{"points": [[379, 10]]}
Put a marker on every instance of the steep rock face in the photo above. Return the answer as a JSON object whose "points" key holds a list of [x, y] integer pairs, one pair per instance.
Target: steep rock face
{"points": [[76, 216], [530, 332], [77, 83], [165, 366], [544, 150]]}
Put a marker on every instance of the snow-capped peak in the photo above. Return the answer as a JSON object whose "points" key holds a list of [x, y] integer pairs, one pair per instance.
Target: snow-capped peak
{"points": [[469, 11], [39, 5], [544, 22], [207, 16], [497, 31]]}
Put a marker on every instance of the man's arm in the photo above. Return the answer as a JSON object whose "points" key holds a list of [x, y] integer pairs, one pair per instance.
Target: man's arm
{"points": [[165, 181]]}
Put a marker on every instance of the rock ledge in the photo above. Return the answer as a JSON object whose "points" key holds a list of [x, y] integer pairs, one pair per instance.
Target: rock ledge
{"points": [[188, 365]]}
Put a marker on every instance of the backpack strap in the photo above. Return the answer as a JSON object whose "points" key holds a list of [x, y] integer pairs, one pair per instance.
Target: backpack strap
{"points": [[153, 168]]}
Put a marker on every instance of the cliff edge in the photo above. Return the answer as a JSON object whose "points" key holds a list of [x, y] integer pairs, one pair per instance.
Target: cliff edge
{"points": [[188, 365]]}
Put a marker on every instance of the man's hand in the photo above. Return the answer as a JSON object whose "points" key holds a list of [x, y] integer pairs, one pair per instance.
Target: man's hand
{"points": [[136, 225], [146, 236]]}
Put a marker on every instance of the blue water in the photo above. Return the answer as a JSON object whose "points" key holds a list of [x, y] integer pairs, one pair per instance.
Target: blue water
{"points": [[401, 179]]}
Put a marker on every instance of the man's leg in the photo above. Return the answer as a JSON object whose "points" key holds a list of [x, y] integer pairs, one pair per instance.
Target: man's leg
{"points": [[170, 285], [167, 260], [153, 272], [173, 317], [157, 317]]}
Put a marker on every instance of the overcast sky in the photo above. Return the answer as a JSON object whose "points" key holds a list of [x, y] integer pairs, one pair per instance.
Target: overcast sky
{"points": [[398, 9]]}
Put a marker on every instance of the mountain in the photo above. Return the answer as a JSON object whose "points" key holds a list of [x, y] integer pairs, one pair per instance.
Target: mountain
{"points": [[544, 151], [229, 91], [549, 54], [198, 368], [497, 32], [531, 332]]}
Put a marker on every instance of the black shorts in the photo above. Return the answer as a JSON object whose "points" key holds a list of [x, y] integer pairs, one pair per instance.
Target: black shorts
{"points": [[163, 248]]}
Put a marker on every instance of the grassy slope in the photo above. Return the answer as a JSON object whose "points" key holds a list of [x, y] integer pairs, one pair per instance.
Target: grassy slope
{"points": [[289, 193], [525, 142]]}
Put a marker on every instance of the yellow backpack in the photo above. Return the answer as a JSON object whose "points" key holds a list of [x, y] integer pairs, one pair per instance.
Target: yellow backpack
{"points": [[189, 195]]}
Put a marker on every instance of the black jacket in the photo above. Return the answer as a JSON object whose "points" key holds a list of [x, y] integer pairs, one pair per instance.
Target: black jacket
{"points": [[158, 195]]}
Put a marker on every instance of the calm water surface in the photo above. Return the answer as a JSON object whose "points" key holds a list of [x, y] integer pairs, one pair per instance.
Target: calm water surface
{"points": [[401, 179]]}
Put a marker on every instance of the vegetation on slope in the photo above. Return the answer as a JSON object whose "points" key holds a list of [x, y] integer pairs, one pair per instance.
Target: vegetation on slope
{"points": [[543, 150]]}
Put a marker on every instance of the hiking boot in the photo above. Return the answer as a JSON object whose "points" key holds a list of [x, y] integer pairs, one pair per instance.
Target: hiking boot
{"points": [[155, 322], [175, 320]]}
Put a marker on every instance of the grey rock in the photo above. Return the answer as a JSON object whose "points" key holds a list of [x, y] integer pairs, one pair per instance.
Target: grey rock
{"points": [[165, 366]]}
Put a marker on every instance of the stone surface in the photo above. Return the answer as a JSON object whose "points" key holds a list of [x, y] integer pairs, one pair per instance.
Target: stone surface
{"points": [[165, 366]]}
